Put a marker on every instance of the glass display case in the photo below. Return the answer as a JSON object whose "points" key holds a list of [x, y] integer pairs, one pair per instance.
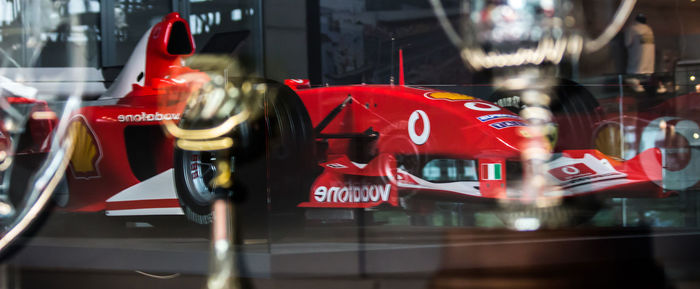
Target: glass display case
{"points": [[359, 144]]}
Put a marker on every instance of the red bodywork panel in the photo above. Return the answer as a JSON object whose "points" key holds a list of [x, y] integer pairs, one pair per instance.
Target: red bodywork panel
{"points": [[454, 130]]}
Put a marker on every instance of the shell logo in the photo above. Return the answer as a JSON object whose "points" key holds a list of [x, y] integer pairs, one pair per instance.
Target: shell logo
{"points": [[451, 96], [87, 152]]}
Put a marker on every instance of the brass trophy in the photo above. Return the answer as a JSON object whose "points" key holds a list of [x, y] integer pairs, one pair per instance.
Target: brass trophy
{"points": [[522, 42], [216, 105]]}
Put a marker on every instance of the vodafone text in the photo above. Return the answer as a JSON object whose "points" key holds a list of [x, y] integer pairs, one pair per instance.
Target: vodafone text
{"points": [[353, 193], [147, 117]]}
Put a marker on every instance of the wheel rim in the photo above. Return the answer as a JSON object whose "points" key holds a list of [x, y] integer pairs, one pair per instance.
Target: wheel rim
{"points": [[198, 173]]}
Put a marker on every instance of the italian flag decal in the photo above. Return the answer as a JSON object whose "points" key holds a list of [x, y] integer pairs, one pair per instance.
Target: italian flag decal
{"points": [[491, 172]]}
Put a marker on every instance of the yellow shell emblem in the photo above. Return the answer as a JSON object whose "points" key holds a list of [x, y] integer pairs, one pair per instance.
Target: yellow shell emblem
{"points": [[451, 96], [86, 152]]}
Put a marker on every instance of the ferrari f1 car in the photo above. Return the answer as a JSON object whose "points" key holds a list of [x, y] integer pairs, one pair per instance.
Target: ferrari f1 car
{"points": [[312, 149]]}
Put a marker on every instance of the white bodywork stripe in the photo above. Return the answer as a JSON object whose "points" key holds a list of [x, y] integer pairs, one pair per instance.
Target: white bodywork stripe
{"points": [[146, 212], [161, 186], [462, 188]]}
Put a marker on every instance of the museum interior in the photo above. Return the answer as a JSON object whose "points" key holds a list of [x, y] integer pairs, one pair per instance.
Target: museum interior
{"points": [[349, 144]]}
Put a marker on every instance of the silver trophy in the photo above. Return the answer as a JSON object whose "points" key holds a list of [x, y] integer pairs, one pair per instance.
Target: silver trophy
{"points": [[37, 139], [522, 42]]}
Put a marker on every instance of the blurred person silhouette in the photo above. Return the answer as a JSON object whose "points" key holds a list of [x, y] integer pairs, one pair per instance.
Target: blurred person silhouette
{"points": [[639, 41]]}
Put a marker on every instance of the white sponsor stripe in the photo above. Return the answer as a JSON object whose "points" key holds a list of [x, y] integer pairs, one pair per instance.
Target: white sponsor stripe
{"points": [[145, 212], [161, 186]]}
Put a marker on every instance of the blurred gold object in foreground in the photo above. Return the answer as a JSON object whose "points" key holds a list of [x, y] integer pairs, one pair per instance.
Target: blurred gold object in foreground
{"points": [[209, 133], [205, 145], [223, 175]]}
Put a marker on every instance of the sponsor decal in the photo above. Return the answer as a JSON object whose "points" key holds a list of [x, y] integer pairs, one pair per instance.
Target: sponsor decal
{"points": [[509, 123], [415, 137], [357, 186], [450, 96], [297, 83], [147, 117], [575, 171], [584, 174], [490, 117], [491, 172], [87, 152], [352, 193], [481, 106]]}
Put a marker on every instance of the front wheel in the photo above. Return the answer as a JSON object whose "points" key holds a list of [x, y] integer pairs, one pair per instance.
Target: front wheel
{"points": [[273, 159], [194, 171]]}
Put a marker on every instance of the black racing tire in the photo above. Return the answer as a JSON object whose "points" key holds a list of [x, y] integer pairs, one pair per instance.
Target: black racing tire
{"points": [[274, 162], [195, 201]]}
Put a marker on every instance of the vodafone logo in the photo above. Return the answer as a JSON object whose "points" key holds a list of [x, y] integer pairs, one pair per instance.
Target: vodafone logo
{"points": [[352, 194], [415, 137], [147, 117], [481, 106], [571, 171]]}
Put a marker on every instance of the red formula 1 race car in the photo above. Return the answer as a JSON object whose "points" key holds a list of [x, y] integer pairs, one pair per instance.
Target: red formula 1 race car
{"points": [[312, 149], [331, 149], [123, 158], [388, 144]]}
